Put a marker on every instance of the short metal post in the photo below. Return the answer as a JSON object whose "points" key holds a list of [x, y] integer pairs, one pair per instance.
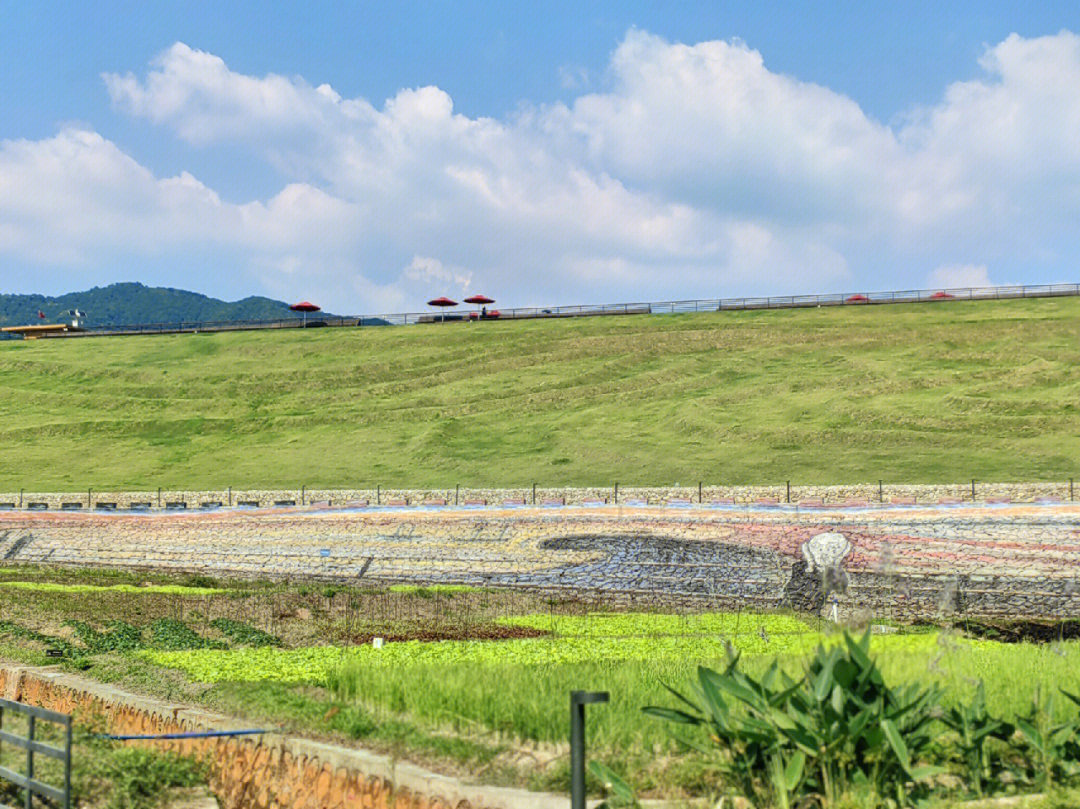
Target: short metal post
{"points": [[973, 489], [457, 491], [789, 491], [578, 701], [67, 766], [159, 497], [616, 498], [230, 496], [89, 498], [378, 495], [880, 492], [303, 494], [31, 722], [534, 494], [1070, 492], [21, 493], [699, 492]]}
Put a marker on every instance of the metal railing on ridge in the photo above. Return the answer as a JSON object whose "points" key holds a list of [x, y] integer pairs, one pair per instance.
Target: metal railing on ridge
{"points": [[586, 310]]}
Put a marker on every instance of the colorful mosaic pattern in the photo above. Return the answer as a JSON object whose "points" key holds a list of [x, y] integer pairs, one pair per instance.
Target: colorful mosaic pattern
{"points": [[980, 558]]}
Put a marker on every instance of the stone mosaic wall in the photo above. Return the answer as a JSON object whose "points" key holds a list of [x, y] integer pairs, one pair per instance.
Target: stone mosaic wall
{"points": [[162, 499], [905, 561]]}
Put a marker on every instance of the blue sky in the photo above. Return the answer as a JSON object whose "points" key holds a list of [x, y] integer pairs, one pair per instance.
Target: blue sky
{"points": [[550, 153]]}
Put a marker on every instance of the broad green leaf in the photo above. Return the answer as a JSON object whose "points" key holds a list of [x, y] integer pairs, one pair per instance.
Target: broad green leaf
{"points": [[613, 782], [896, 742], [794, 771], [672, 715]]}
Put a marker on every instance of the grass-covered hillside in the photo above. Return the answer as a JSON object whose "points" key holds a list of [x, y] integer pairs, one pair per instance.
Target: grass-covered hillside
{"points": [[919, 393]]}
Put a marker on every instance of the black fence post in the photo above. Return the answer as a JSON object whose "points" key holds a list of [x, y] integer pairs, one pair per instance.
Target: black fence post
{"points": [[457, 491], [21, 495], [89, 498], [699, 492], [378, 494], [303, 494], [973, 489], [31, 722], [789, 491], [616, 498], [230, 496], [1070, 492], [534, 494], [159, 497], [578, 701], [880, 492]]}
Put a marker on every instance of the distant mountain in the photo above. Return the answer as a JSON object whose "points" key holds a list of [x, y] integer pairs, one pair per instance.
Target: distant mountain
{"points": [[130, 303]]}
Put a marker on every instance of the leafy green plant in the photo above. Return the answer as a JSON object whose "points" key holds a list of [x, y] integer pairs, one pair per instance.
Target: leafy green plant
{"points": [[23, 633], [1052, 752], [174, 635], [121, 637], [135, 777], [974, 727], [837, 728], [244, 634], [619, 795]]}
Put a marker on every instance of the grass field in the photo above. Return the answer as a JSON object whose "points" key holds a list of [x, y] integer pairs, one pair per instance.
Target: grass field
{"points": [[491, 710], [919, 393]]}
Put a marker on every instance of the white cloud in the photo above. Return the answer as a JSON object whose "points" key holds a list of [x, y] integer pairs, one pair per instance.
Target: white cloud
{"points": [[698, 172], [430, 270], [960, 275]]}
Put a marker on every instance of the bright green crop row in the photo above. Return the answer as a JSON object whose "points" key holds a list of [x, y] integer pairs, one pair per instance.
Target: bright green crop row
{"points": [[315, 664], [160, 589], [631, 624], [441, 589]]}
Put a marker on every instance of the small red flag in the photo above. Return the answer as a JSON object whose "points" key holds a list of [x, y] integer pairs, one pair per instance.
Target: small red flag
{"points": [[41, 314]]}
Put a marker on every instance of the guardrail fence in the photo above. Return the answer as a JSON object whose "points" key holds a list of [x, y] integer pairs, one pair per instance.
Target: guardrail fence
{"points": [[33, 787], [585, 310]]}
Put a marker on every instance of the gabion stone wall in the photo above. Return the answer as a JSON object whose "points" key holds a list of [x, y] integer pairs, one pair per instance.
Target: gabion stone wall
{"points": [[903, 561]]}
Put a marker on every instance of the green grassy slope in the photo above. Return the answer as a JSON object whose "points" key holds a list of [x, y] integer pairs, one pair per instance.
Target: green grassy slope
{"points": [[918, 393]]}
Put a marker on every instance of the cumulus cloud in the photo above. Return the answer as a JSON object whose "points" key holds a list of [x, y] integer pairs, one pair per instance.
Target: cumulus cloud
{"points": [[430, 270], [697, 172]]}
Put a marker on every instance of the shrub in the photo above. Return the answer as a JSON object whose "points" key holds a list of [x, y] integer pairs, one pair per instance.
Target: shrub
{"points": [[836, 730]]}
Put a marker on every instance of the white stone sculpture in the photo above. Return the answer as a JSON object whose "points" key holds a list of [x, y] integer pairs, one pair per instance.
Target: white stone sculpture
{"points": [[825, 553]]}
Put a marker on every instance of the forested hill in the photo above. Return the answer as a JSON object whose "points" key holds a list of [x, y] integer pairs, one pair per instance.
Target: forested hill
{"points": [[119, 304]]}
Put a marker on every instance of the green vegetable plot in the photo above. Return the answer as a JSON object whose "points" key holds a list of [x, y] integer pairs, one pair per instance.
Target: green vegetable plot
{"points": [[631, 624], [318, 664], [154, 589]]}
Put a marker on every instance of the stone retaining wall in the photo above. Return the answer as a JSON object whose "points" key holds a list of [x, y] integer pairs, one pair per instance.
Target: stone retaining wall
{"points": [[870, 492], [1014, 560], [271, 771]]}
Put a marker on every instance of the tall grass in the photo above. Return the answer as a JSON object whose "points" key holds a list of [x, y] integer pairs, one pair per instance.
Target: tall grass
{"points": [[530, 702]]}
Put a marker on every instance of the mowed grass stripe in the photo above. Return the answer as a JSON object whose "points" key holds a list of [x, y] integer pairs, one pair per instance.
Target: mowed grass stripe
{"points": [[920, 393]]}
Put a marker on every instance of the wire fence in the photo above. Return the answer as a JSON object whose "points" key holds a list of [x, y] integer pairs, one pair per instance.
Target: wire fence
{"points": [[588, 310]]}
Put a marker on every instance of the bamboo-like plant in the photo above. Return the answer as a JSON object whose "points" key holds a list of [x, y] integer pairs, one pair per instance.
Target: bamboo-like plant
{"points": [[837, 729], [974, 727], [1052, 748]]}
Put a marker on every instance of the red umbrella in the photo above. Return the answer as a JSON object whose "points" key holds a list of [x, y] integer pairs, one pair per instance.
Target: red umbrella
{"points": [[940, 295], [480, 300], [858, 299], [441, 302], [305, 307]]}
